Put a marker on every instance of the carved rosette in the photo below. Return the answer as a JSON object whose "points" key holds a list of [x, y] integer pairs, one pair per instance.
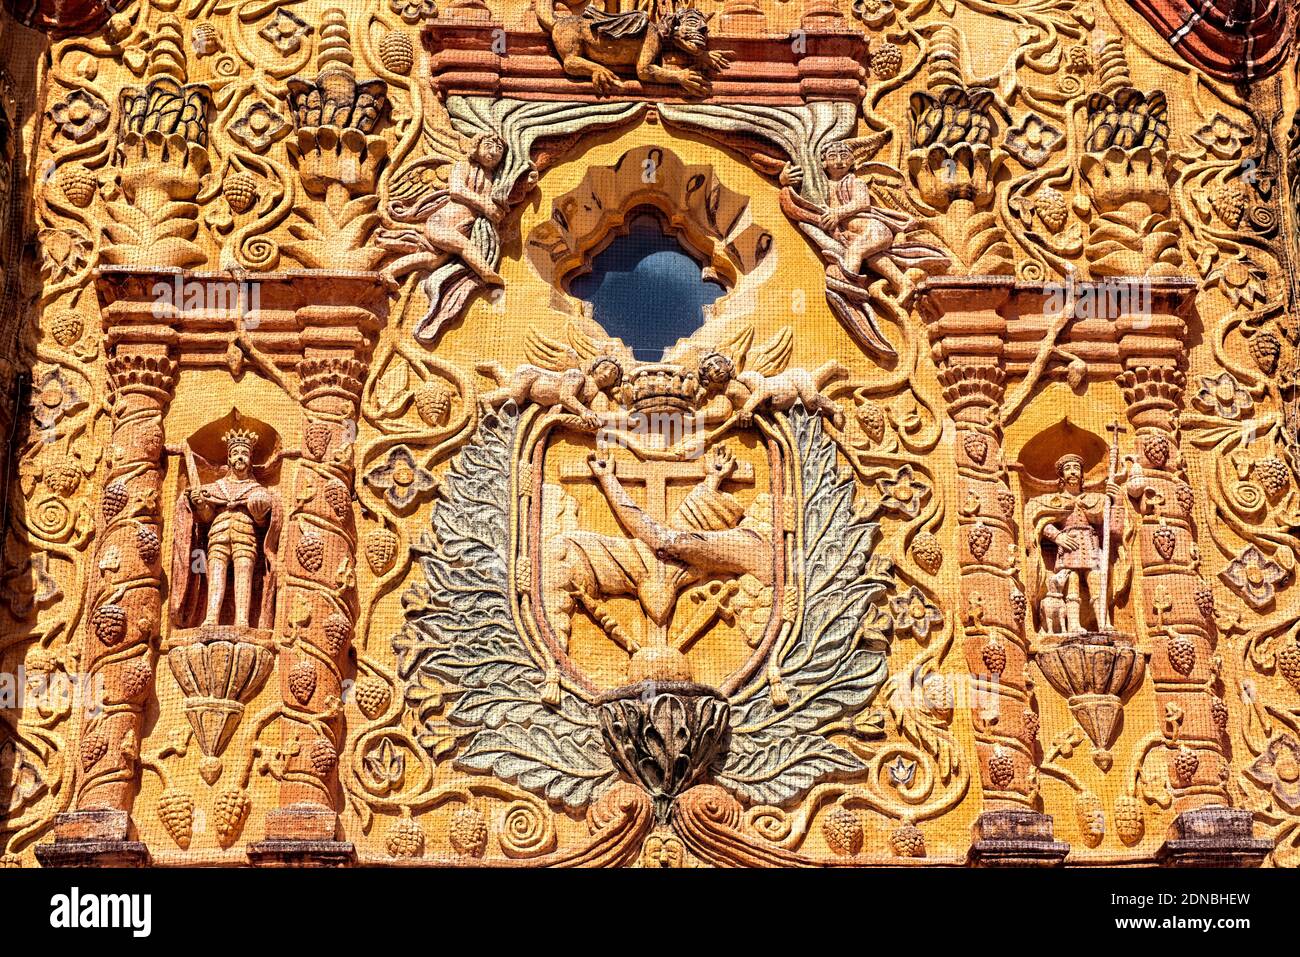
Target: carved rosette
{"points": [[1178, 604], [318, 599], [126, 583]]}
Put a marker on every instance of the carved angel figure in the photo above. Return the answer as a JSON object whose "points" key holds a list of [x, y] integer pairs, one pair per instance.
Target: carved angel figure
{"points": [[237, 519], [448, 216], [860, 238], [572, 389], [750, 391]]}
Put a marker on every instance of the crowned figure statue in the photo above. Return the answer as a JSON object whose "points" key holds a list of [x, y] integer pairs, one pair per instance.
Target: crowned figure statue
{"points": [[227, 533]]}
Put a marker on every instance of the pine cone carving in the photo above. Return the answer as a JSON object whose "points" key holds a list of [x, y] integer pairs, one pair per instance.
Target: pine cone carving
{"points": [[976, 446], [886, 60], [302, 681], [311, 552], [1288, 662], [1265, 348], [468, 832], [1091, 817], [1273, 475], [337, 630], [1165, 539], [406, 839], [1052, 208], [907, 841], [317, 439], [136, 677], [927, 553], [1182, 654], [176, 811], [147, 544], [1128, 819], [66, 328], [109, 624], [340, 501], [994, 654], [1186, 764], [322, 756], [114, 501], [240, 190], [372, 697], [230, 811], [93, 747], [396, 52], [381, 548], [843, 830], [1002, 769], [78, 184]]}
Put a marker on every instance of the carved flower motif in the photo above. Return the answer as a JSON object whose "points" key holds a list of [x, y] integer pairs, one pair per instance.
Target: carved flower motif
{"points": [[285, 32], [259, 127], [80, 116], [874, 13], [1241, 280], [414, 11], [1224, 396], [904, 493], [901, 772], [1277, 770], [54, 398], [63, 252], [1222, 137], [1032, 140], [1254, 576], [400, 479], [914, 613]]}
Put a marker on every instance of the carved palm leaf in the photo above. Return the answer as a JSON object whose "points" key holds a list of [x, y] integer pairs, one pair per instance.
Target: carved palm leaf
{"points": [[835, 662], [460, 638]]}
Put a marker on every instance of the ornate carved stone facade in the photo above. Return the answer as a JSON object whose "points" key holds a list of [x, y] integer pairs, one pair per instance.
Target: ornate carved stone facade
{"points": [[343, 525]]}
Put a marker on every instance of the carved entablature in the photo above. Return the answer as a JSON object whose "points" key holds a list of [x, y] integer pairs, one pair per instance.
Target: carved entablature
{"points": [[552, 61]]}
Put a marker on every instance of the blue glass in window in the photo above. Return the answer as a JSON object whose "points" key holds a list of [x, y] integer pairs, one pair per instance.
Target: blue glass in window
{"points": [[646, 289]]}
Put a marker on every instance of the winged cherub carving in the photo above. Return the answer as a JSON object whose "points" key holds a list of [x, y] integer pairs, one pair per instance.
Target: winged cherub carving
{"points": [[569, 377], [749, 391], [447, 216]]}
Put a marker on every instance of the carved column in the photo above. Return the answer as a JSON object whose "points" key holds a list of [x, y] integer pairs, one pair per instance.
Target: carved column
{"points": [[967, 330], [1178, 610], [123, 610], [317, 611]]}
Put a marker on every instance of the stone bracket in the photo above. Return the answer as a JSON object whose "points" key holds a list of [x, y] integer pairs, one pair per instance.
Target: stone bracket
{"points": [[1015, 838]]}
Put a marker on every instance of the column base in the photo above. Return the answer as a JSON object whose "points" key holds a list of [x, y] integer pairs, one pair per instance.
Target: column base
{"points": [[1015, 838], [301, 835], [302, 854], [1214, 837], [94, 838]]}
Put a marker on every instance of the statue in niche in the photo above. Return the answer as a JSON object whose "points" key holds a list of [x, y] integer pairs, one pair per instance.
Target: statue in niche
{"points": [[227, 533], [448, 216], [1078, 544]]}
